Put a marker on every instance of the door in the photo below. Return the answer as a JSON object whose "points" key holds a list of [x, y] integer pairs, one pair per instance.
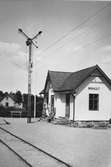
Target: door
{"points": [[52, 102], [67, 114]]}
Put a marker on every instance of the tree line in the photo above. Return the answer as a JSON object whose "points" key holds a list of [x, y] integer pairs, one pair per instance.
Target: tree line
{"points": [[20, 97]]}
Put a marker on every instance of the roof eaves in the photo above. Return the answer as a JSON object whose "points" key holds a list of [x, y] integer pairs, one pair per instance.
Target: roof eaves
{"points": [[65, 91], [47, 79], [106, 77], [80, 80], [95, 67], [51, 79], [85, 78]]}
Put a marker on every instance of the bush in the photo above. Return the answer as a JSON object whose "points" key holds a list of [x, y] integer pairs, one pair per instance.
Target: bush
{"points": [[24, 114], [4, 112], [110, 121]]}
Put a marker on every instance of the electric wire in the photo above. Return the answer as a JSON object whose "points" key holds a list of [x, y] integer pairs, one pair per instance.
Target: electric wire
{"points": [[88, 43], [76, 27], [84, 34], [95, 41], [68, 33]]}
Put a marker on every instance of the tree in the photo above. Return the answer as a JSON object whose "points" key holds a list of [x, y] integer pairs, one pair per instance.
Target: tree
{"points": [[18, 97], [12, 94], [6, 93], [25, 103], [1, 94], [39, 106]]}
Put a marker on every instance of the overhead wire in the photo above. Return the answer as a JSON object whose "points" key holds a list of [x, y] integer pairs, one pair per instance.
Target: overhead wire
{"points": [[75, 37], [95, 41], [76, 27], [88, 43], [72, 30]]}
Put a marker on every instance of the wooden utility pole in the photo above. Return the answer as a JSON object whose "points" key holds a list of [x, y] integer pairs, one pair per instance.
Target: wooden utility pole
{"points": [[29, 43], [35, 106]]}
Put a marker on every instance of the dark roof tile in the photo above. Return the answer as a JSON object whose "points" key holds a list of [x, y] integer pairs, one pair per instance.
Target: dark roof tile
{"points": [[58, 78], [76, 78], [63, 81]]}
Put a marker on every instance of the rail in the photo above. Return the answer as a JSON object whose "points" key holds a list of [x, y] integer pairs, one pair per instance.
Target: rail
{"points": [[33, 146]]}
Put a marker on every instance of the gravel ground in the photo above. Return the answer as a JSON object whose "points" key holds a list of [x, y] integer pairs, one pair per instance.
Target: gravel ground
{"points": [[80, 147], [9, 159]]}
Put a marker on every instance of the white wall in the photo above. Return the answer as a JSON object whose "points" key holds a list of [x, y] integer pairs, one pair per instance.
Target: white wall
{"points": [[59, 101], [7, 100], [82, 111], [11, 103], [60, 105], [50, 92]]}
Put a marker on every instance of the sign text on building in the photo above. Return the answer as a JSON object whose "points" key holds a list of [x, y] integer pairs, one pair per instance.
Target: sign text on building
{"points": [[94, 88]]}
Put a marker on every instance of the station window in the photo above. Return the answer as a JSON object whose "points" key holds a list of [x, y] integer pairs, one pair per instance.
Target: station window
{"points": [[94, 102], [52, 100]]}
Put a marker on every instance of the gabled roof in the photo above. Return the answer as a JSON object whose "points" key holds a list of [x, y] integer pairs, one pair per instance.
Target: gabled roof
{"points": [[42, 92], [68, 81], [7, 95], [58, 78]]}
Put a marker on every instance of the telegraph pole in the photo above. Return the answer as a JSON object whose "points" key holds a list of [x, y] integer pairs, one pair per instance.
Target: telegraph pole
{"points": [[35, 106], [29, 43]]}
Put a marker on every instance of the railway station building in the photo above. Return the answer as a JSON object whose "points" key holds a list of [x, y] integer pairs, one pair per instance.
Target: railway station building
{"points": [[84, 95]]}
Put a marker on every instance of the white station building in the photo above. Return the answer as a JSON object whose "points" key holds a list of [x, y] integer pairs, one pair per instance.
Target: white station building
{"points": [[79, 96]]}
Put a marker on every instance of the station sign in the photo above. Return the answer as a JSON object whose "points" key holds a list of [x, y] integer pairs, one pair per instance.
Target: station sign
{"points": [[94, 88]]}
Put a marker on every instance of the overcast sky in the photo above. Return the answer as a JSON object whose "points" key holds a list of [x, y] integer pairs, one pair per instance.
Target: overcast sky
{"points": [[75, 35]]}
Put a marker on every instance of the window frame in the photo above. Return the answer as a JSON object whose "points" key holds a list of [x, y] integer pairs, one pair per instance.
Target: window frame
{"points": [[93, 102]]}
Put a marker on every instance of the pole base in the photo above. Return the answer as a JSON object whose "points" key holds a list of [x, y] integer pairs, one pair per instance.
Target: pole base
{"points": [[29, 120]]}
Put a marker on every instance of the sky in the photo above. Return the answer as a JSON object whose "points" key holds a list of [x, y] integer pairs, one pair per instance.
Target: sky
{"points": [[75, 35]]}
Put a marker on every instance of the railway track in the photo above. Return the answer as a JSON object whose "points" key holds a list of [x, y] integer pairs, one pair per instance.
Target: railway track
{"points": [[29, 153]]}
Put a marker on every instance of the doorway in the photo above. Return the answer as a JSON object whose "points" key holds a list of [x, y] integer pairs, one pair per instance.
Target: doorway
{"points": [[67, 114]]}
